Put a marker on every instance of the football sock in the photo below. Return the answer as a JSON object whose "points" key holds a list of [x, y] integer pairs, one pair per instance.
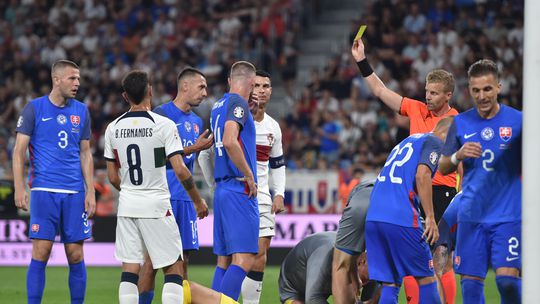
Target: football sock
{"points": [[509, 288], [77, 282], [389, 294], [252, 287], [411, 289], [146, 297], [232, 281], [448, 282], [35, 281], [472, 291], [173, 292], [429, 294], [127, 291], [218, 276]]}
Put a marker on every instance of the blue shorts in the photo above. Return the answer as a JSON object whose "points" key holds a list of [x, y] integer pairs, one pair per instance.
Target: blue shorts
{"points": [[54, 213], [395, 251], [478, 244], [236, 223], [186, 218]]}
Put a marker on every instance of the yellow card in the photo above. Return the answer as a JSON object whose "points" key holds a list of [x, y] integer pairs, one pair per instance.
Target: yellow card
{"points": [[360, 32]]}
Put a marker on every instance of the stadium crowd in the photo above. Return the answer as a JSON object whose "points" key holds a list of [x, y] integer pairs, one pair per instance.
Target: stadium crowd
{"points": [[334, 122]]}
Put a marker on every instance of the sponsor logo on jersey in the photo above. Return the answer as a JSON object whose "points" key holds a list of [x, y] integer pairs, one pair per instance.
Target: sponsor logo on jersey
{"points": [[75, 120], [505, 133], [35, 227], [433, 157], [187, 126], [487, 133], [196, 129], [238, 112], [61, 119], [19, 122]]}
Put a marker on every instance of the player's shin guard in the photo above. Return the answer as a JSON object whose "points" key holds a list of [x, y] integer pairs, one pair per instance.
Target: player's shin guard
{"points": [[252, 287], [389, 294], [35, 281], [232, 281], [411, 289], [448, 282], [509, 288], [218, 276], [472, 291], [128, 292], [77, 282], [173, 292], [146, 297], [429, 294]]}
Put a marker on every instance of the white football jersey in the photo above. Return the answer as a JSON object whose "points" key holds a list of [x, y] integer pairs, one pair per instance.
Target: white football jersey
{"points": [[140, 143], [268, 146]]}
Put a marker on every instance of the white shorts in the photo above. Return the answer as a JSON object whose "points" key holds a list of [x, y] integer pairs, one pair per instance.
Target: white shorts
{"points": [[267, 223], [157, 236]]}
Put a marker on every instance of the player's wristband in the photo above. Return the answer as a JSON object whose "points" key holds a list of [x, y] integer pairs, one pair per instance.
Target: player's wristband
{"points": [[365, 68], [454, 159]]}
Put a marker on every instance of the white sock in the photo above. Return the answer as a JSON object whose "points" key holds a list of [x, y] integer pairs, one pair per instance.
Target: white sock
{"points": [[128, 293], [251, 291], [172, 293]]}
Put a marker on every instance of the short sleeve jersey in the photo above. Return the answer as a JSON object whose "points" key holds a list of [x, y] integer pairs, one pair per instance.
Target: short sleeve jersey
{"points": [[55, 137], [268, 148], [189, 127], [492, 182], [139, 142], [233, 107], [394, 198], [422, 120]]}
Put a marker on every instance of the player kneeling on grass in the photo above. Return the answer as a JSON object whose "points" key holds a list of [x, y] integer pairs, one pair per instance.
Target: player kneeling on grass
{"points": [[137, 145], [198, 294]]}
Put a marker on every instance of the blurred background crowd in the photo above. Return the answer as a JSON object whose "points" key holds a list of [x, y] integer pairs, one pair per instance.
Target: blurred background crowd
{"points": [[329, 119]]}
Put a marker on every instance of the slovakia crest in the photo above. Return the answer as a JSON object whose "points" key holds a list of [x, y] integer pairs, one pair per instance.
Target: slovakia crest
{"points": [[487, 133], [75, 120], [505, 133], [187, 126], [196, 129], [35, 227]]}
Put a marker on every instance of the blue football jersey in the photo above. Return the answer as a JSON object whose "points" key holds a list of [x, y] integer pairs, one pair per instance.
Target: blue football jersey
{"points": [[233, 107], [491, 183], [189, 127], [394, 198], [55, 136]]}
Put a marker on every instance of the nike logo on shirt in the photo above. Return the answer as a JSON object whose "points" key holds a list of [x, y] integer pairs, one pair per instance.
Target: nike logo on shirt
{"points": [[466, 136], [509, 259], [45, 119]]}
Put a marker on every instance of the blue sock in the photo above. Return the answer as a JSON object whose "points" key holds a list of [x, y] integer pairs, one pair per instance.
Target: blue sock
{"points": [[472, 291], [77, 282], [146, 297], [389, 294], [218, 276], [35, 281], [429, 293], [231, 284], [509, 288]]}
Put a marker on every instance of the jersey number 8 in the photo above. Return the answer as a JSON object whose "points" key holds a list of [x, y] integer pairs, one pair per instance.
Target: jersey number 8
{"points": [[134, 163]]}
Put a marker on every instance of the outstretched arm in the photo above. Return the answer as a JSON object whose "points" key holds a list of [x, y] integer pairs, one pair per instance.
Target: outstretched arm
{"points": [[375, 84]]}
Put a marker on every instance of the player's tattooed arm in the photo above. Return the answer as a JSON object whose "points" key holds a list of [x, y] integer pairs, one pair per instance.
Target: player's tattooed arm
{"points": [[188, 183]]}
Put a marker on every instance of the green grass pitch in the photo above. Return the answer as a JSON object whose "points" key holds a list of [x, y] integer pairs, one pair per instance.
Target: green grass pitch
{"points": [[103, 285]]}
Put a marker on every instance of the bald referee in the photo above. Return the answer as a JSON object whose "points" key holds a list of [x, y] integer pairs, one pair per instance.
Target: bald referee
{"points": [[330, 263]]}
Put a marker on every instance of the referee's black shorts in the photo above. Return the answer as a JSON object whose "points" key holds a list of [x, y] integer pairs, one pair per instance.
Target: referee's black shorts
{"points": [[442, 196]]}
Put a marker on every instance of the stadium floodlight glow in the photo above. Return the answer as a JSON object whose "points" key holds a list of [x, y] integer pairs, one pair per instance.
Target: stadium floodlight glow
{"points": [[531, 146]]}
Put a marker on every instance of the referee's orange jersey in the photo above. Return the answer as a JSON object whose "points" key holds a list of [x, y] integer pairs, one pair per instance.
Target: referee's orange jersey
{"points": [[423, 120]]}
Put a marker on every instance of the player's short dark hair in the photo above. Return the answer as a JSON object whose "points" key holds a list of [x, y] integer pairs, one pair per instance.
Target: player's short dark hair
{"points": [[189, 72], [60, 64], [262, 73], [242, 69], [136, 84], [483, 67]]}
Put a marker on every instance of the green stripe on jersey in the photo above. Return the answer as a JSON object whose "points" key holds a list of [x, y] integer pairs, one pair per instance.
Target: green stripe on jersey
{"points": [[159, 157]]}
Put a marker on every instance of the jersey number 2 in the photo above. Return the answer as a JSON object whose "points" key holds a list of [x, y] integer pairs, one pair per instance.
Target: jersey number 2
{"points": [[134, 163]]}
